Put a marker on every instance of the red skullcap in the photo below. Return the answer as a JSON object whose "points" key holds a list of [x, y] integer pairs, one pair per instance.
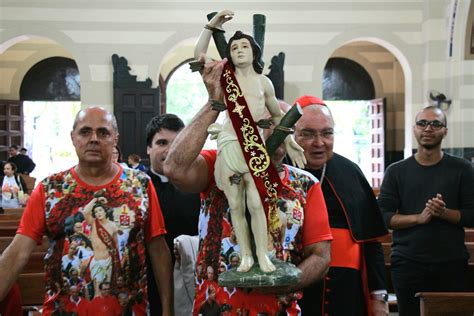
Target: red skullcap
{"points": [[308, 100]]}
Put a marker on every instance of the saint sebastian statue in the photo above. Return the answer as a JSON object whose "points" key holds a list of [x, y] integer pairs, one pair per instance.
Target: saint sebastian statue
{"points": [[232, 172]]}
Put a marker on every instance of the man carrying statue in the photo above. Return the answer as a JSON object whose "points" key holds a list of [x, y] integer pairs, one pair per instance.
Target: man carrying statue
{"points": [[230, 179], [233, 173]]}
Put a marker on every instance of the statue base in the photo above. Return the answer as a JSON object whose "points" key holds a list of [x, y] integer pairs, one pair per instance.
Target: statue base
{"points": [[285, 274]]}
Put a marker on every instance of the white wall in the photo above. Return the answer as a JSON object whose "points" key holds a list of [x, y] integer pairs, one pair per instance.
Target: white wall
{"points": [[149, 32]]}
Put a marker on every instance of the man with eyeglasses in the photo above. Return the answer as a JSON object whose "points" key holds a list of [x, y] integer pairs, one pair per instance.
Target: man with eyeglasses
{"points": [[356, 281], [427, 199]]}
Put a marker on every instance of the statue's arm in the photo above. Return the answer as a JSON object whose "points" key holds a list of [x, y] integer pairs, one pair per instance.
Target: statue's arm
{"points": [[205, 37], [294, 150], [271, 101], [203, 43]]}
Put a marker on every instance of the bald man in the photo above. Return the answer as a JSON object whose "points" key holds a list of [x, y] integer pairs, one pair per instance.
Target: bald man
{"points": [[95, 181], [356, 281]]}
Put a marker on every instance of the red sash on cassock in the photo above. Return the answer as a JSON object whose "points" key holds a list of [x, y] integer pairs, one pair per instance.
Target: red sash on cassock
{"points": [[109, 241], [263, 172]]}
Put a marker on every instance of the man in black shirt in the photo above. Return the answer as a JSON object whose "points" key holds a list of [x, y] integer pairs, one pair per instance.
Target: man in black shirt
{"points": [[23, 163], [180, 210], [427, 199]]}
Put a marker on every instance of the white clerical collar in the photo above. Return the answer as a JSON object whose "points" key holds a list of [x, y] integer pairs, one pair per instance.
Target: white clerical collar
{"points": [[162, 177]]}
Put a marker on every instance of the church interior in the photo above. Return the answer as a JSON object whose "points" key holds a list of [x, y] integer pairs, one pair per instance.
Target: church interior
{"points": [[396, 56]]}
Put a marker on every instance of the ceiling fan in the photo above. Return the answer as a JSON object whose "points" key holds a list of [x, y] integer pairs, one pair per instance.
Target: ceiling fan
{"points": [[439, 99]]}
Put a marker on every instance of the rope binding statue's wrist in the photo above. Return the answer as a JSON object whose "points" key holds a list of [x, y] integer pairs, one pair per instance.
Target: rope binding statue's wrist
{"points": [[213, 29]]}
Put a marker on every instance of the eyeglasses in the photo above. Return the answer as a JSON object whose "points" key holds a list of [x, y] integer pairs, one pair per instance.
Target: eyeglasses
{"points": [[422, 124], [310, 135]]}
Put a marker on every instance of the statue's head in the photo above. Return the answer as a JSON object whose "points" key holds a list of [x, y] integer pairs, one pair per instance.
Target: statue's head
{"points": [[257, 51]]}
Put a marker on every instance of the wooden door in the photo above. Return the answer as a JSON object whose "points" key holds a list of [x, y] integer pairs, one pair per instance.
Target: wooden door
{"points": [[11, 126], [377, 131], [134, 108], [135, 103]]}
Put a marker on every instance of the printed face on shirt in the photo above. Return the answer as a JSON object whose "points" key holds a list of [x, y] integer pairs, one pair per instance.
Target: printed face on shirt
{"points": [[234, 261], [428, 136], [210, 273], [94, 136], [99, 212], [123, 299], [159, 148], [72, 249], [105, 289], [241, 52], [120, 282], [315, 133], [74, 291], [78, 228]]}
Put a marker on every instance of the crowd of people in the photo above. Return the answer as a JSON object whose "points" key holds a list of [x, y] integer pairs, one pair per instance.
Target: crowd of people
{"points": [[113, 228]]}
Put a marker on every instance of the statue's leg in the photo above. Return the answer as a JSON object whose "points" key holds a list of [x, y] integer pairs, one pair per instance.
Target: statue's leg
{"points": [[235, 194], [241, 228], [259, 224]]}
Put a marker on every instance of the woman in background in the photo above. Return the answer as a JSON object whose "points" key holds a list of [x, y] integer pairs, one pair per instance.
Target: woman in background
{"points": [[134, 162], [13, 187], [117, 157]]}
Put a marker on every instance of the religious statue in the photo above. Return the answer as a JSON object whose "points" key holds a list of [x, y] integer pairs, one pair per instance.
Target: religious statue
{"points": [[243, 170]]}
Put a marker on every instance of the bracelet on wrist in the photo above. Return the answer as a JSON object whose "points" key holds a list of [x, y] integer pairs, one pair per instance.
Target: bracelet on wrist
{"points": [[213, 29]]}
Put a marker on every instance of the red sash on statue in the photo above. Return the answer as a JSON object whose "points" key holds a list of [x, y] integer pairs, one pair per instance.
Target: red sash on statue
{"points": [[109, 242], [264, 174]]}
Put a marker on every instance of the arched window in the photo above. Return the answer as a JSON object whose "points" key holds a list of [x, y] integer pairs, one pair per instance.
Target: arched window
{"points": [[50, 97], [52, 79], [349, 91], [185, 92], [345, 79]]}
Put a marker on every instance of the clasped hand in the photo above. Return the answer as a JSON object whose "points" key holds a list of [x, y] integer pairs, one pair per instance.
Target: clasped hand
{"points": [[434, 207]]}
